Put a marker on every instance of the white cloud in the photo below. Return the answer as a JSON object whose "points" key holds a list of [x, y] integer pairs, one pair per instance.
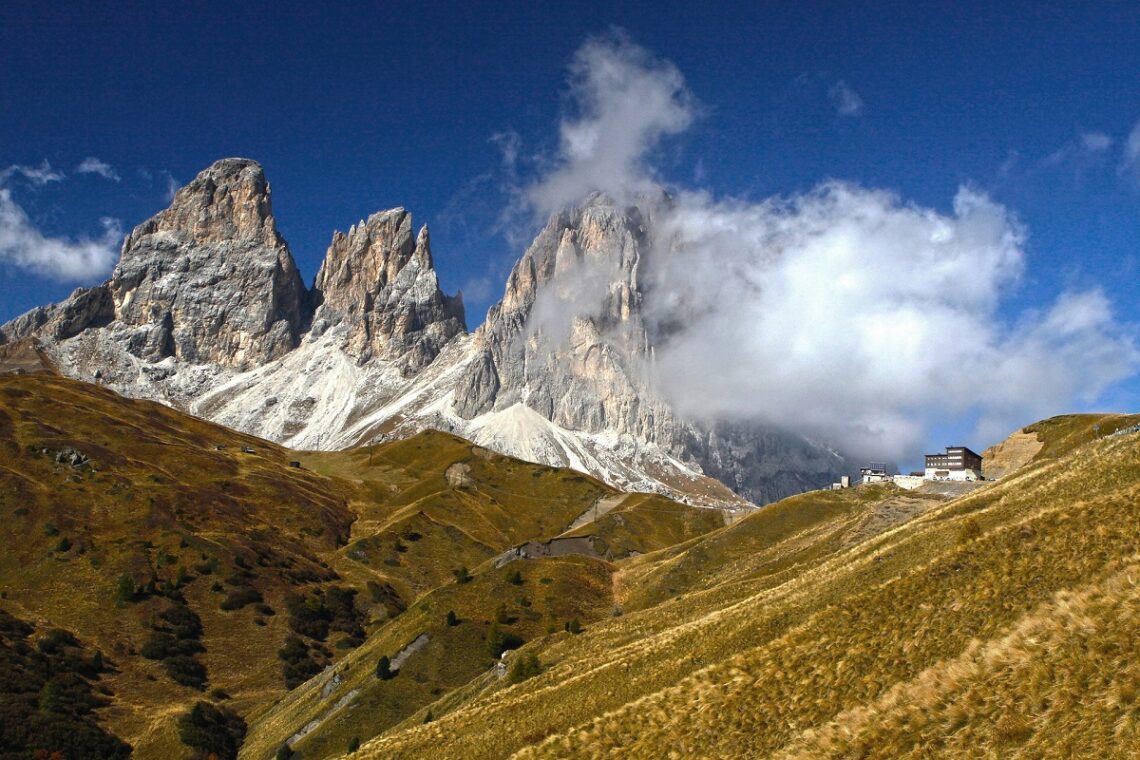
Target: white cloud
{"points": [[509, 144], [1132, 149], [92, 165], [844, 312], [24, 246], [36, 175], [1087, 151], [626, 102], [1095, 142], [851, 315], [846, 101]]}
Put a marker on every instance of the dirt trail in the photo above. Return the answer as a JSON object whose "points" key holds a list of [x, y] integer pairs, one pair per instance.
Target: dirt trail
{"points": [[891, 512], [603, 506]]}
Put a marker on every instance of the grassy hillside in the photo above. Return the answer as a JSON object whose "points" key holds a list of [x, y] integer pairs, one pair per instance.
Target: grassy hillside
{"points": [[154, 563], [207, 568], [866, 623]]}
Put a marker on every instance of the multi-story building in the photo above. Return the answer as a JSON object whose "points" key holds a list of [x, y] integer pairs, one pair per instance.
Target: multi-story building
{"points": [[958, 463]]}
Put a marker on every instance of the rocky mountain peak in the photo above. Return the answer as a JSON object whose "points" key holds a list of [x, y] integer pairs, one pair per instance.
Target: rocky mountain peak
{"points": [[380, 282], [228, 200], [210, 279], [567, 337]]}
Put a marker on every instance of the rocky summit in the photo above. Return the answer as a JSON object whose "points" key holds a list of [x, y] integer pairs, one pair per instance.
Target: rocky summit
{"points": [[381, 282], [208, 280], [206, 312]]}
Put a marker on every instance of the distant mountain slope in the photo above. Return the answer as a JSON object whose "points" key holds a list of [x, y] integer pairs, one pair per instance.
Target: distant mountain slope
{"points": [[205, 311], [1003, 622]]}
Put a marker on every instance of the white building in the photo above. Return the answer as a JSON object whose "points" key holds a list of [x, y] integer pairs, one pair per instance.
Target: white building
{"points": [[875, 472]]}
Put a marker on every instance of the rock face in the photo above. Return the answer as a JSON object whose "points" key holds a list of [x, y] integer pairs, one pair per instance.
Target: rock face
{"points": [[86, 307], [381, 283], [210, 279], [206, 311], [567, 338], [569, 341]]}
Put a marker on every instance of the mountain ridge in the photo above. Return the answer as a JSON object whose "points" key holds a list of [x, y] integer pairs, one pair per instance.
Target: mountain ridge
{"points": [[206, 312]]}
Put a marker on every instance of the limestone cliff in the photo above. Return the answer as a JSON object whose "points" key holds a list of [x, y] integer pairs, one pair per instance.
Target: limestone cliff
{"points": [[210, 279], [381, 283]]}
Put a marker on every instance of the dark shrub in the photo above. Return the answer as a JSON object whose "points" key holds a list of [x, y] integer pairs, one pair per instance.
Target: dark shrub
{"points": [[184, 669], [523, 668], [384, 668], [212, 730], [240, 597]]}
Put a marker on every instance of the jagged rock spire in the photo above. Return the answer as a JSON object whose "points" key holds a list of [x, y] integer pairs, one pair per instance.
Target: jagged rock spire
{"points": [[380, 283]]}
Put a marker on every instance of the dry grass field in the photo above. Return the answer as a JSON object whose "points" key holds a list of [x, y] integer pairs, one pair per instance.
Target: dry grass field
{"points": [[1002, 623], [357, 605]]}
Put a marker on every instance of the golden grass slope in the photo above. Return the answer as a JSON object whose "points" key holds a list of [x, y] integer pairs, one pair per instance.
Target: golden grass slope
{"points": [[1006, 615], [167, 499], [515, 502], [155, 499]]}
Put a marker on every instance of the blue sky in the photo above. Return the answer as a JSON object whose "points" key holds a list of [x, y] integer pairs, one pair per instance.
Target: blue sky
{"points": [[369, 106]]}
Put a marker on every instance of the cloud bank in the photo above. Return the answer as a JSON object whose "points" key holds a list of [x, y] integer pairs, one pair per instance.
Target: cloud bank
{"points": [[24, 246], [844, 312]]}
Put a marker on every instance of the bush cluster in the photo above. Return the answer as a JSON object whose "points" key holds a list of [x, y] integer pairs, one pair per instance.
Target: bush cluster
{"points": [[212, 730], [175, 640], [47, 700]]}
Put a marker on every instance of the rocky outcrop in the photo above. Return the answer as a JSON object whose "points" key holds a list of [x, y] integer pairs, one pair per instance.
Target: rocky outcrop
{"points": [[86, 307], [569, 340], [381, 283], [567, 337], [210, 279]]}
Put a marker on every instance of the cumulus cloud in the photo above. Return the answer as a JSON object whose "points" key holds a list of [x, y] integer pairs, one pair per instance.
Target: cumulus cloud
{"points": [[92, 165], [851, 315], [38, 176], [846, 101], [24, 246], [625, 101], [844, 312]]}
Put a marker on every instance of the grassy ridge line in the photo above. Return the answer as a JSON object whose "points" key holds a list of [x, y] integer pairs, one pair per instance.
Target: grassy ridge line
{"points": [[772, 612], [757, 701], [1069, 432]]}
